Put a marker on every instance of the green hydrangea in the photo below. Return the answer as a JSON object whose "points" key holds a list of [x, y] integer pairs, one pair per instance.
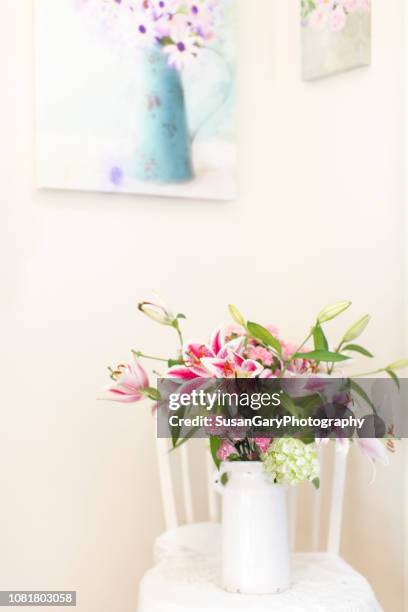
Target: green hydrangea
{"points": [[289, 461]]}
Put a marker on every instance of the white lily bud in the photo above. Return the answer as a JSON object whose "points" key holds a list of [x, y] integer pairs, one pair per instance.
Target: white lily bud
{"points": [[357, 329], [332, 311], [158, 311], [236, 315], [398, 365]]}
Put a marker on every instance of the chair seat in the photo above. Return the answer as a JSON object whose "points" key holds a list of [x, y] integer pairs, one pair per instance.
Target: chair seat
{"points": [[200, 538], [188, 571]]}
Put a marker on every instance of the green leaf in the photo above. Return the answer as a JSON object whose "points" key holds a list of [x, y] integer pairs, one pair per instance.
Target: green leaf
{"points": [[308, 440], [320, 340], [361, 392], [357, 329], [356, 348], [321, 355], [151, 393], [401, 364], [215, 444], [332, 311], [394, 377], [289, 405], [263, 335], [181, 316], [179, 442], [236, 315], [225, 477], [316, 483]]}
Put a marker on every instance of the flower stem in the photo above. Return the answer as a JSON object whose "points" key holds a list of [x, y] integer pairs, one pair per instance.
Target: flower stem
{"points": [[365, 374], [287, 362], [139, 354], [330, 367], [178, 330]]}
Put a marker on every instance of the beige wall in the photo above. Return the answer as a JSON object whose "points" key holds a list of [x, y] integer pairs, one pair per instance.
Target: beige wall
{"points": [[320, 218]]}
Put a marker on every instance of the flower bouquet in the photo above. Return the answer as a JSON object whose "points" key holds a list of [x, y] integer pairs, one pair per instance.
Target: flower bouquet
{"points": [[332, 14], [258, 468], [180, 29]]}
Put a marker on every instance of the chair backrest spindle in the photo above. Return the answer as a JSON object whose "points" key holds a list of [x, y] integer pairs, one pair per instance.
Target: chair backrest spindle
{"points": [[336, 502], [212, 498], [317, 506], [186, 484], [166, 484]]}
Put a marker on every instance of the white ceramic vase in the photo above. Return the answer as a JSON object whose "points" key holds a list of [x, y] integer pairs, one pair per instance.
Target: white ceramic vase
{"points": [[255, 543]]}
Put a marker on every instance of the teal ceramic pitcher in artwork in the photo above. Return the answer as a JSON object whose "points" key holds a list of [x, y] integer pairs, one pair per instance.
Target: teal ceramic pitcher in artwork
{"points": [[164, 150]]}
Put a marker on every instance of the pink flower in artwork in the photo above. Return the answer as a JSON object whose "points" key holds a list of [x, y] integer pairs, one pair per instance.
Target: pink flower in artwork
{"points": [[318, 19], [325, 4], [226, 450], [337, 19], [355, 5], [351, 5], [130, 382]]}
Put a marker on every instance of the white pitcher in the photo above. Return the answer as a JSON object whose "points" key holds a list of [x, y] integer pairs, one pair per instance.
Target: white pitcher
{"points": [[255, 543]]}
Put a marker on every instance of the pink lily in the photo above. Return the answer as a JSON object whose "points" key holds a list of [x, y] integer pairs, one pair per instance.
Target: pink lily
{"points": [[130, 382], [232, 366], [267, 373], [374, 449], [195, 352]]}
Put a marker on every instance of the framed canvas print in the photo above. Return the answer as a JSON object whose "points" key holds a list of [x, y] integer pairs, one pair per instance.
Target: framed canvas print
{"points": [[136, 96], [336, 36]]}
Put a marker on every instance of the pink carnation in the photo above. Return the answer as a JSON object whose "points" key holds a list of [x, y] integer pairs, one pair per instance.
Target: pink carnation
{"points": [[262, 443], [273, 330], [212, 428], [259, 353], [351, 5], [337, 19], [226, 450], [234, 330]]}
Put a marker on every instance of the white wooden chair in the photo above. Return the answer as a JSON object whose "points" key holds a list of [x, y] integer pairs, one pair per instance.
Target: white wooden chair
{"points": [[186, 576]]}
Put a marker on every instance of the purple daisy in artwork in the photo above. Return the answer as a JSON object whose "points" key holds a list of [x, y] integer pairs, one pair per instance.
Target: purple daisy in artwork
{"points": [[179, 27]]}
